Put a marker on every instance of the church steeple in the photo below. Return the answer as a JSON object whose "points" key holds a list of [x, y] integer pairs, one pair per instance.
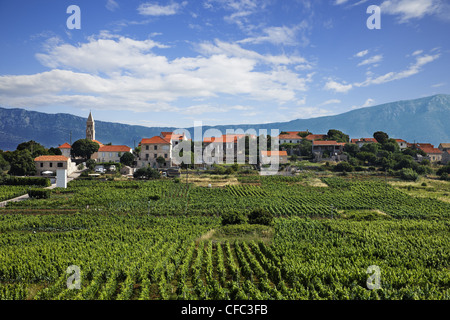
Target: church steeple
{"points": [[90, 127]]}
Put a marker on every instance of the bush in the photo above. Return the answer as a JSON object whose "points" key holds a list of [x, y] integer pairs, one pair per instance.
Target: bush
{"points": [[408, 174], [146, 173], [343, 167], [39, 193], [260, 216], [233, 217], [26, 181]]}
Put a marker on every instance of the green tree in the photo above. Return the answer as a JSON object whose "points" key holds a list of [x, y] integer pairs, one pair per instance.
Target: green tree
{"points": [[306, 148], [54, 151], [22, 163], [146, 173], [370, 147], [161, 161], [260, 216], [352, 149], [90, 164], [343, 167], [303, 134], [381, 137], [127, 159], [84, 148], [36, 149], [233, 217], [337, 135], [4, 165]]}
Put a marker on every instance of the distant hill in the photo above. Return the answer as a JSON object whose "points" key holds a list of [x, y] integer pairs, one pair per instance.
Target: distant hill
{"points": [[420, 120]]}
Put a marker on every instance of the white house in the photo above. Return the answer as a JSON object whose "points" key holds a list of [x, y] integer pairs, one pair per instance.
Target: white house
{"points": [[110, 153]]}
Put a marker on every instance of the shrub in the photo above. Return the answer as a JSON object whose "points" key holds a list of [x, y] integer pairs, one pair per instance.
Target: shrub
{"points": [[408, 174], [27, 181], [260, 216], [343, 167], [233, 217], [39, 193]]}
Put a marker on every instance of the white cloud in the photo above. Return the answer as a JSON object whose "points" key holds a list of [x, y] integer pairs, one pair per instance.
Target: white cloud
{"points": [[338, 87], [111, 5], [411, 9], [115, 72], [338, 2], [369, 102], [417, 52], [391, 76], [372, 60], [206, 108], [437, 85], [154, 9], [362, 53], [331, 101], [278, 35]]}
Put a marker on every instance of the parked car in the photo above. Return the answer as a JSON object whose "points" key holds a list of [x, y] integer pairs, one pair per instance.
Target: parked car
{"points": [[99, 169], [112, 168]]}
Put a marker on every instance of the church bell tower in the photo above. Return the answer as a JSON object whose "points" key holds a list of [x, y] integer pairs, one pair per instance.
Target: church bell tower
{"points": [[90, 128]]}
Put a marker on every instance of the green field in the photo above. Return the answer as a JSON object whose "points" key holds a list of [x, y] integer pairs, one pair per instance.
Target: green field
{"points": [[164, 240]]}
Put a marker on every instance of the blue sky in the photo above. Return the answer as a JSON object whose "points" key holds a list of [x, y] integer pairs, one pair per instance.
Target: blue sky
{"points": [[170, 63]]}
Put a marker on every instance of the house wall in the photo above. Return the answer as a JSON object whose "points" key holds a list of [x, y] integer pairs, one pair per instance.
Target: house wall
{"points": [[42, 166], [150, 152], [65, 152]]}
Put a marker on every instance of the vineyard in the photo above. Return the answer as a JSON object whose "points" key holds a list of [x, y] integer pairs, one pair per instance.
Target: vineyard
{"points": [[145, 240]]}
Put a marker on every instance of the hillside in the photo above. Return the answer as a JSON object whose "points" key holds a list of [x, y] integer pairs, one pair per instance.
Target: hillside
{"points": [[420, 120]]}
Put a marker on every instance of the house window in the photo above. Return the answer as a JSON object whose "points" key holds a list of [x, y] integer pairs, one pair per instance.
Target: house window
{"points": [[146, 147], [42, 165], [155, 155], [146, 156], [165, 155], [110, 155], [155, 148], [103, 154], [51, 164], [60, 164]]}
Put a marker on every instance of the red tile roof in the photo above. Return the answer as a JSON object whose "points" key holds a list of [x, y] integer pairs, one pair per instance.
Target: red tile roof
{"points": [[98, 142], [327, 143], [400, 140], [226, 138], [313, 137], [65, 146], [291, 135], [274, 153], [431, 150], [51, 158], [155, 140], [114, 149], [172, 136], [367, 140]]}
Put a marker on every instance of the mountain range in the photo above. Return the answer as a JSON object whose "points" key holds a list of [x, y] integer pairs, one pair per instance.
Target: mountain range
{"points": [[424, 120]]}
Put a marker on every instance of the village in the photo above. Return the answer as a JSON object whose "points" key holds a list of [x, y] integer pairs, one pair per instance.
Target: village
{"points": [[162, 153]]}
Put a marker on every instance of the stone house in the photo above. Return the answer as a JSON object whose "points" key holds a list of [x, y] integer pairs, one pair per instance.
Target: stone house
{"points": [[267, 156], [52, 164], [110, 153]]}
